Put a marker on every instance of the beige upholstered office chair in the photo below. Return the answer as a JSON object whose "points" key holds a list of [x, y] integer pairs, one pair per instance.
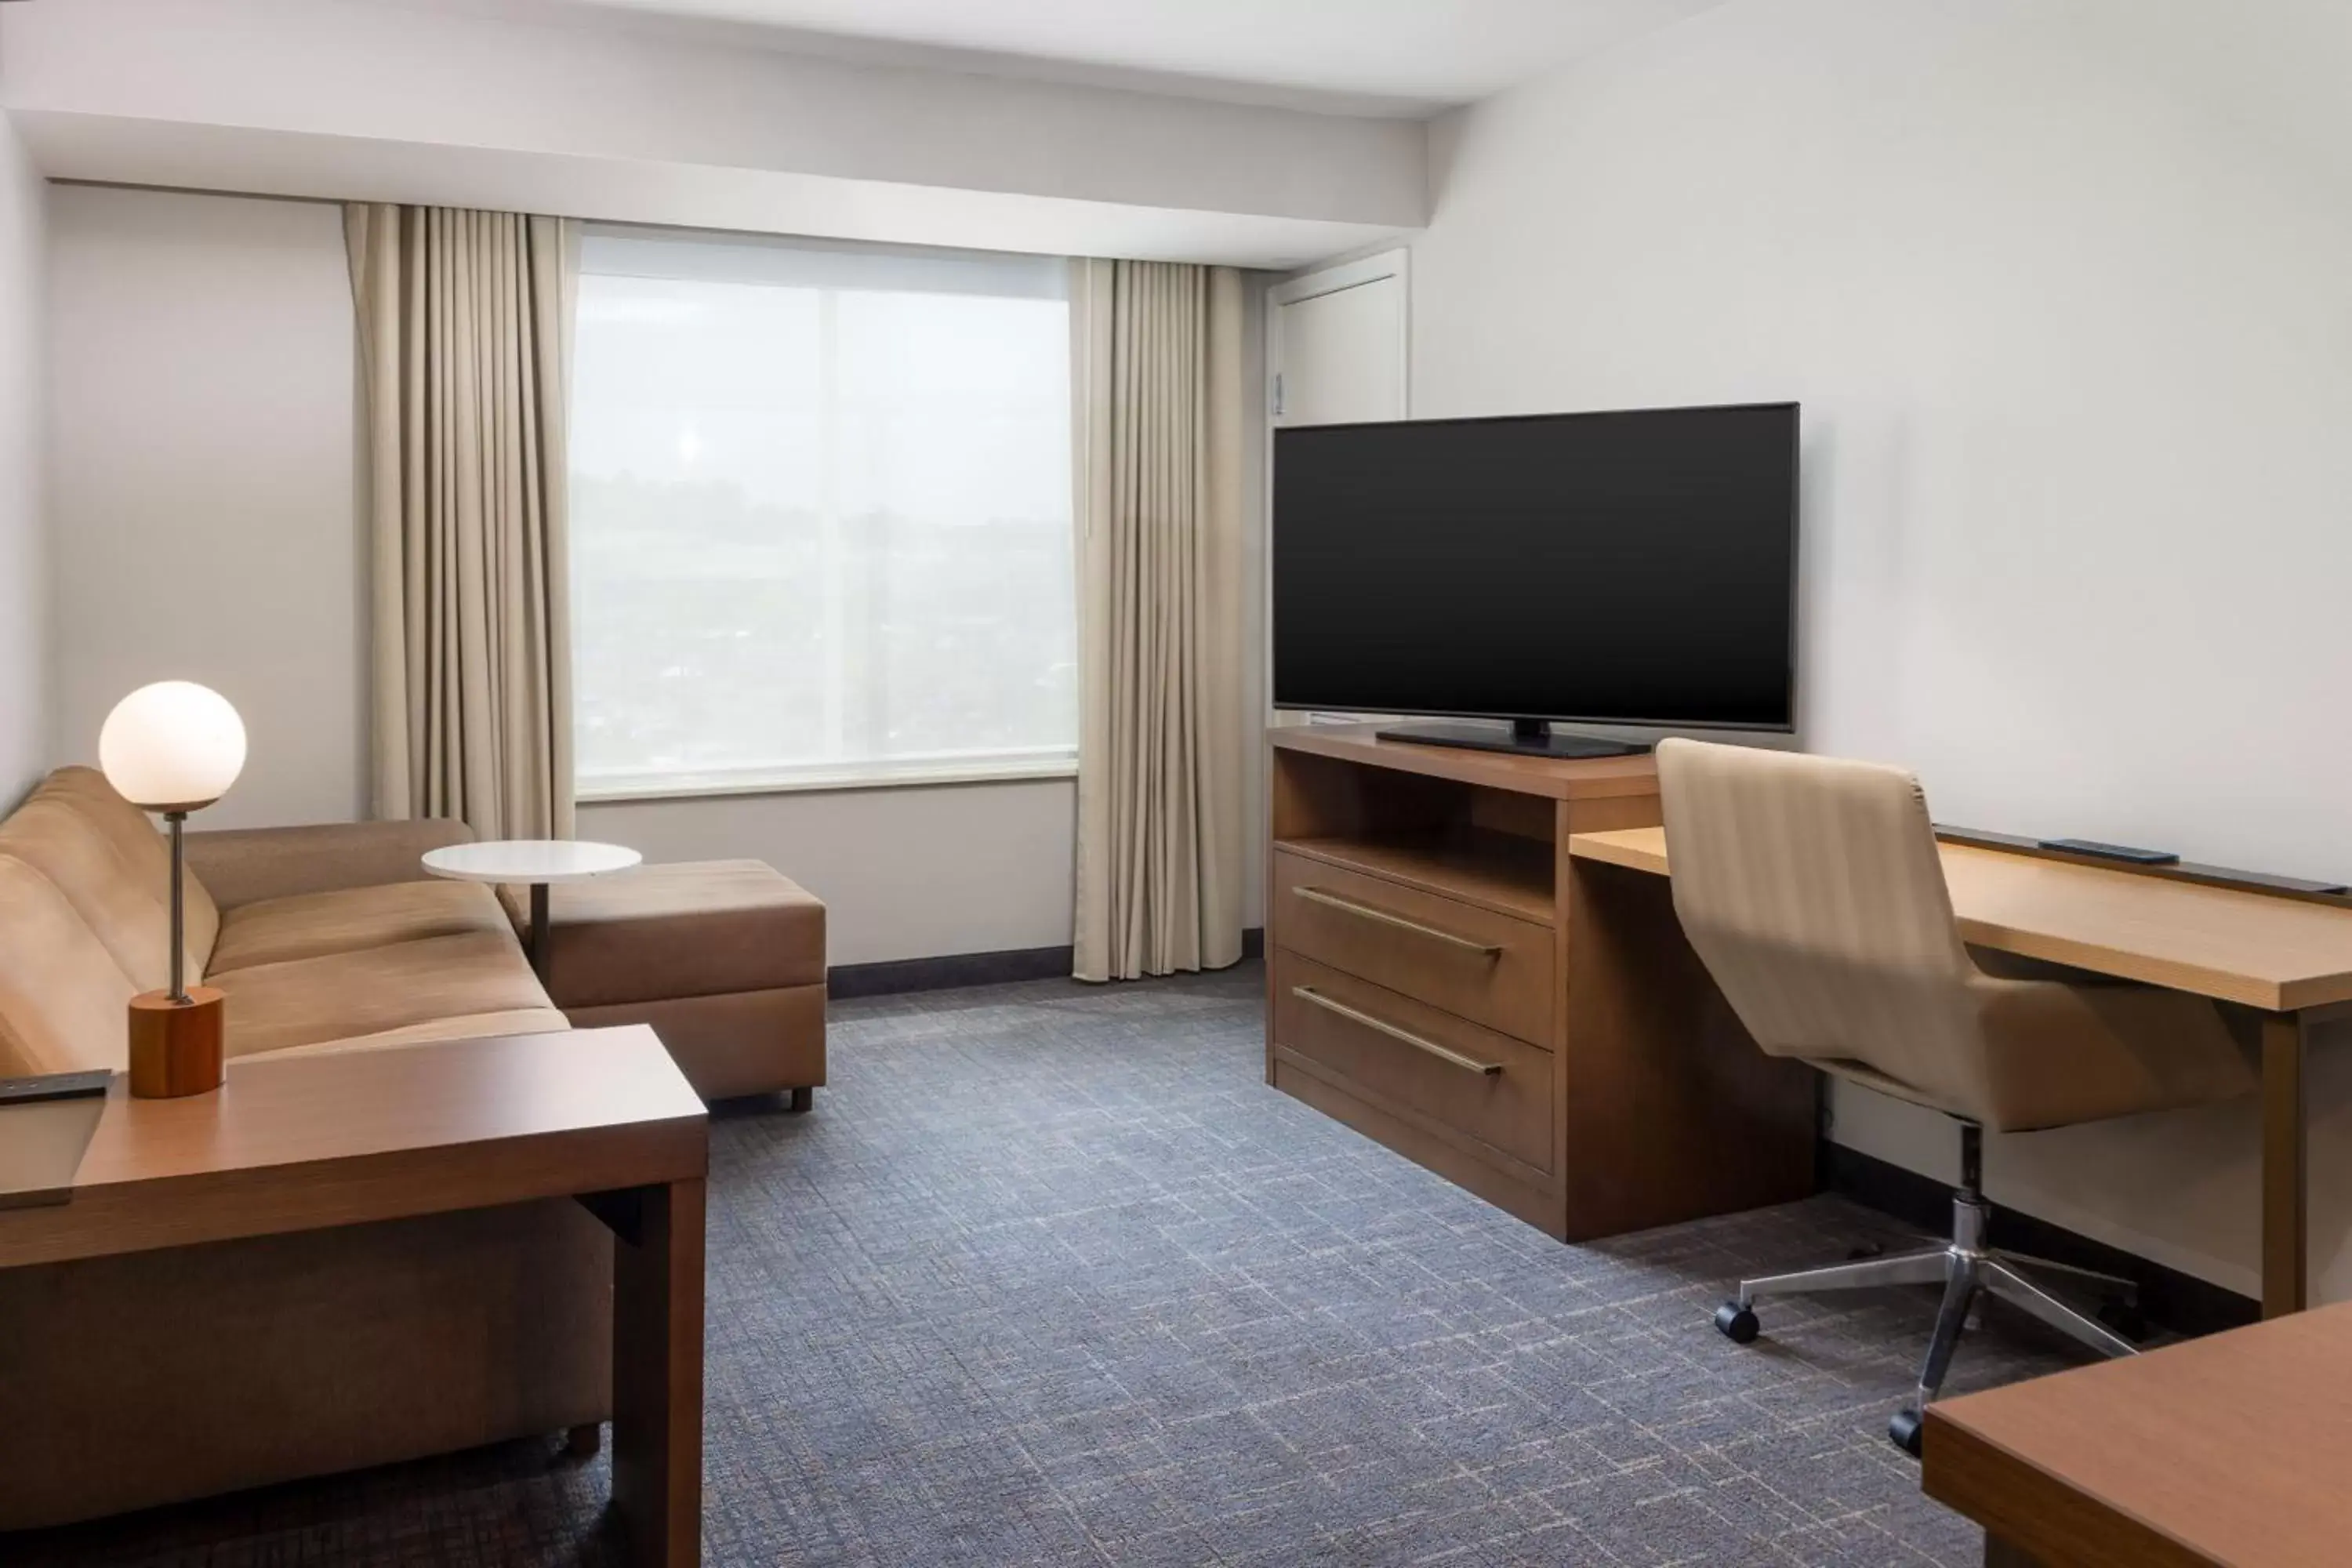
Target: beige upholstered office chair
{"points": [[1813, 890]]}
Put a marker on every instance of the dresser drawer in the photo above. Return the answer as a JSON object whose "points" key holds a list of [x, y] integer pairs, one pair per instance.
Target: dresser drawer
{"points": [[1488, 967], [1412, 1060]]}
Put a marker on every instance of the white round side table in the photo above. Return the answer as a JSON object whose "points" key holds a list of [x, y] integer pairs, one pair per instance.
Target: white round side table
{"points": [[534, 862]]}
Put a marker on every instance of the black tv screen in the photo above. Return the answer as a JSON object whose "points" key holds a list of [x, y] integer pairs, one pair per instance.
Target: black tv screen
{"points": [[1635, 568]]}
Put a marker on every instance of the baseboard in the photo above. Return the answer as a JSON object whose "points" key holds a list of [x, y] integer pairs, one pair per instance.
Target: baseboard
{"points": [[947, 971], [955, 970], [2171, 1299]]}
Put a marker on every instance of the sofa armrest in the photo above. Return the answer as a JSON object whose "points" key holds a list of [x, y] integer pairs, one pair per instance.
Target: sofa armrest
{"points": [[246, 865]]}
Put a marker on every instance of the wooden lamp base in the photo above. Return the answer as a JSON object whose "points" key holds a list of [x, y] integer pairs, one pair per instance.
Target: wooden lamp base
{"points": [[175, 1047]]}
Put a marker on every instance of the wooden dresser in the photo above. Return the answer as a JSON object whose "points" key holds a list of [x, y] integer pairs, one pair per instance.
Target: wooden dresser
{"points": [[1428, 984]]}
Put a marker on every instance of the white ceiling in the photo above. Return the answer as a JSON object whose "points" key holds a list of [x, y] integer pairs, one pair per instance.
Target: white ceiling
{"points": [[1375, 57]]}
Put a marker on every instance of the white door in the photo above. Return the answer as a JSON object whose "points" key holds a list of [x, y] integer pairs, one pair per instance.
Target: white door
{"points": [[1336, 350], [1336, 343]]}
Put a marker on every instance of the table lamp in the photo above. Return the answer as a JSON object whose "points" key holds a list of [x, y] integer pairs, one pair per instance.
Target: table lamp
{"points": [[173, 748]]}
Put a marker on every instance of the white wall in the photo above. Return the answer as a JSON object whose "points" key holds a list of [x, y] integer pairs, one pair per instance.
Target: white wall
{"points": [[586, 115], [207, 526], [24, 569], [2074, 342], [204, 521], [904, 872]]}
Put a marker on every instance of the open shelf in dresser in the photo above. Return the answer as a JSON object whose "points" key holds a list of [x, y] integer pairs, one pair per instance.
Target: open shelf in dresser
{"points": [[1501, 872]]}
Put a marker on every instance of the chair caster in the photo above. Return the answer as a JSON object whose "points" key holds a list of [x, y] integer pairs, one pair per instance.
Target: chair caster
{"points": [[797, 1101], [2125, 1318], [1904, 1430], [1736, 1323]]}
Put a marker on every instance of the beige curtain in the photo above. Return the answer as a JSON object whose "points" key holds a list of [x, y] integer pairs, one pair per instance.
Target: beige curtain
{"points": [[465, 322], [1158, 380]]}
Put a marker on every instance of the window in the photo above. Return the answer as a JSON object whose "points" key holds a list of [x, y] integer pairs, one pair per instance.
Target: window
{"points": [[821, 504]]}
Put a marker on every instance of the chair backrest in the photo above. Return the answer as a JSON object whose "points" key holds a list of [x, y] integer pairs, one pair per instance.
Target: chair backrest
{"points": [[1811, 888]]}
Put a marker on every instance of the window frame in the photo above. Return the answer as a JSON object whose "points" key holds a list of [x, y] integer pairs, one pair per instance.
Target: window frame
{"points": [[830, 780]]}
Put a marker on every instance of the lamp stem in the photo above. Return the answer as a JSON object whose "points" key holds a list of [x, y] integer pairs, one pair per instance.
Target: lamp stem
{"points": [[179, 944]]}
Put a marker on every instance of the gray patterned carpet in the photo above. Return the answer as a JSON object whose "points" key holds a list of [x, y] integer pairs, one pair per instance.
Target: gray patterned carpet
{"points": [[1051, 1278]]}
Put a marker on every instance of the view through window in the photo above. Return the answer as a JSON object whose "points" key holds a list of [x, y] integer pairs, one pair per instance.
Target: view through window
{"points": [[820, 515]]}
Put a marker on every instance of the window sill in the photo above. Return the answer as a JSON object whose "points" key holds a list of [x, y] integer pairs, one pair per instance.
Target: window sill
{"points": [[944, 775]]}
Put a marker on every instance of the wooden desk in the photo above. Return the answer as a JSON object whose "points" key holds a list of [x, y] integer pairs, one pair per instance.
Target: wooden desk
{"points": [[2290, 959], [2225, 1452], [315, 1143]]}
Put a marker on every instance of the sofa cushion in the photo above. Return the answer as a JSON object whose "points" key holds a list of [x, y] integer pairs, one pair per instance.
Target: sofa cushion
{"points": [[130, 918], [145, 850], [250, 865], [350, 920], [63, 1001], [341, 996], [695, 929]]}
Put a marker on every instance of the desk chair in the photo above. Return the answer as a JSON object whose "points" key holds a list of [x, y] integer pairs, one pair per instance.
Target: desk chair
{"points": [[1811, 889]]}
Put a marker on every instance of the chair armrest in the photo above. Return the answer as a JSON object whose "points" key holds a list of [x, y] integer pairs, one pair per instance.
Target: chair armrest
{"points": [[246, 865]]}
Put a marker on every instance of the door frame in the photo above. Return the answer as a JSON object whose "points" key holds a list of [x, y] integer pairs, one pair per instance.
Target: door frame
{"points": [[1338, 277]]}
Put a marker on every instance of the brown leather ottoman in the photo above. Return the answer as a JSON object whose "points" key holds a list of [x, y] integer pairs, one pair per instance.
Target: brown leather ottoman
{"points": [[724, 958]]}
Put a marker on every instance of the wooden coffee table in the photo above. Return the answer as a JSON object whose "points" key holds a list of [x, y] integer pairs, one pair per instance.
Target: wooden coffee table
{"points": [[2224, 1452], [316, 1142]]}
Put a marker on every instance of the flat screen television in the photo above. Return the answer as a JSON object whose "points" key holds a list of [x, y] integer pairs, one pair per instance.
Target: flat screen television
{"points": [[1632, 568]]}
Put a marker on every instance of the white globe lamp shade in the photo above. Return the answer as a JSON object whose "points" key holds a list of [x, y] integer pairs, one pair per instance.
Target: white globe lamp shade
{"points": [[172, 746]]}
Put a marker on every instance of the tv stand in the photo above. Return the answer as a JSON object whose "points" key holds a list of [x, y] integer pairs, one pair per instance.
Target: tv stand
{"points": [[1528, 737], [1443, 978]]}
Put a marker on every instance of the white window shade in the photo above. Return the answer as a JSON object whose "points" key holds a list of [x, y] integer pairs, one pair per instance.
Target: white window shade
{"points": [[820, 515]]}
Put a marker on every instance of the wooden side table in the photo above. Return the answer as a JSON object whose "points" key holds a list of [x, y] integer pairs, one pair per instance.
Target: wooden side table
{"points": [[321, 1142]]}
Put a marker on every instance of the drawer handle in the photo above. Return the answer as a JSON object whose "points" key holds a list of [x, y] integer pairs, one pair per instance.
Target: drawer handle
{"points": [[1467, 1064], [1333, 900]]}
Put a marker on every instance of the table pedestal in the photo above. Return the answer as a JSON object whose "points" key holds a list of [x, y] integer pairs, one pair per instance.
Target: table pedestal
{"points": [[538, 926]]}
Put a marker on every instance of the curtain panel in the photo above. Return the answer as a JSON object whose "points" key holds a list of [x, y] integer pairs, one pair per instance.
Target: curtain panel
{"points": [[464, 327], [1158, 381]]}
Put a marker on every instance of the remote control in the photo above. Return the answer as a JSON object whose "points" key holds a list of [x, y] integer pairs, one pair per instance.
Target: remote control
{"points": [[2112, 851], [53, 1086]]}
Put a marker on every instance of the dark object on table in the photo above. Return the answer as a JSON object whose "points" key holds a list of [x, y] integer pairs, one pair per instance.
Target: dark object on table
{"points": [[2138, 857], [54, 1086], [45, 1123]]}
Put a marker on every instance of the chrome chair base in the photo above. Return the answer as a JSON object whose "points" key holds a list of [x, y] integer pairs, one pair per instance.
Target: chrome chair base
{"points": [[1968, 1270]]}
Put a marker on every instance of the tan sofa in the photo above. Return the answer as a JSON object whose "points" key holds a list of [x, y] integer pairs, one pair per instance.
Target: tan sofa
{"points": [[306, 1354]]}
